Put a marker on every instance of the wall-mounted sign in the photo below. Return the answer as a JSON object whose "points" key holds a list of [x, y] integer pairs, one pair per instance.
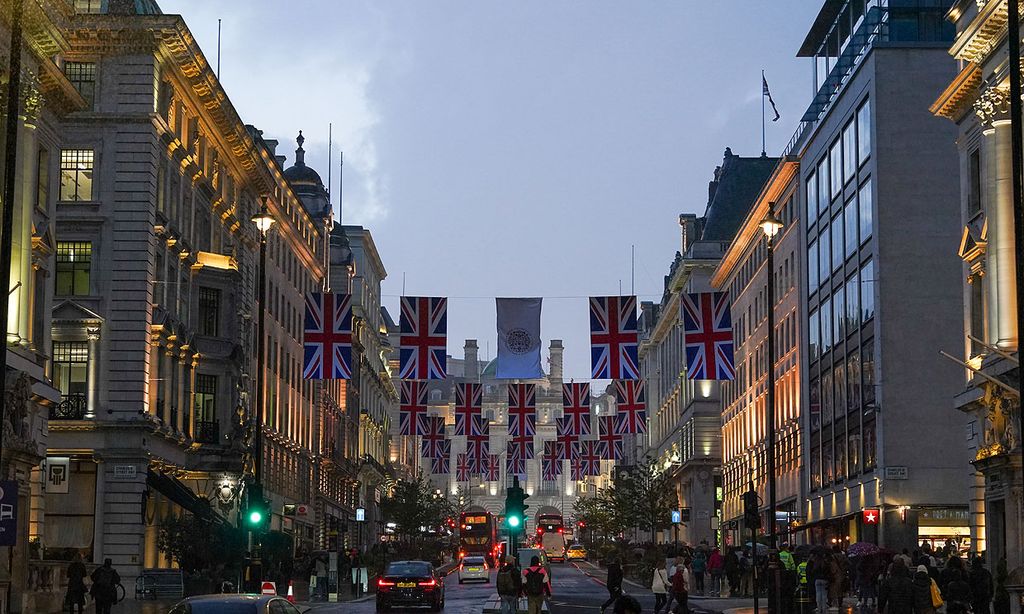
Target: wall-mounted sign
{"points": [[124, 472], [360, 514], [58, 473], [676, 517], [870, 515], [896, 473]]}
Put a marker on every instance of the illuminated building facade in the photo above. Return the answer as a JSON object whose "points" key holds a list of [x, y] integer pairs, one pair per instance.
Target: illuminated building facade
{"points": [[743, 274], [879, 185], [977, 100]]}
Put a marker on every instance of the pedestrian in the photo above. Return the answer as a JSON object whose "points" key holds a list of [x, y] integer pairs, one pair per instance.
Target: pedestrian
{"points": [[732, 571], [866, 574], [699, 566], [896, 595], [746, 574], [74, 600], [924, 596], [838, 576], [613, 583], [105, 581], [355, 562], [660, 586], [510, 587], [953, 571], [956, 591], [716, 568], [536, 585], [680, 590], [982, 589], [787, 566], [819, 576]]}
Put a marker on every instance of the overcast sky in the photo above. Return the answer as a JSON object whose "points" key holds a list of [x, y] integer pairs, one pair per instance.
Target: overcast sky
{"points": [[515, 148]]}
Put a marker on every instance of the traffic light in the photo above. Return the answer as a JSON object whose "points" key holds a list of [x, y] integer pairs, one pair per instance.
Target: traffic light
{"points": [[515, 507], [751, 516], [256, 509]]}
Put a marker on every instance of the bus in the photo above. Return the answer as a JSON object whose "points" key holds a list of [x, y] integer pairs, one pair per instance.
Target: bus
{"points": [[478, 536], [551, 536]]}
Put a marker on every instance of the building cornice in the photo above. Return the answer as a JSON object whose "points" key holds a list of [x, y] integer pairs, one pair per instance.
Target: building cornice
{"points": [[957, 99], [985, 32], [750, 230]]}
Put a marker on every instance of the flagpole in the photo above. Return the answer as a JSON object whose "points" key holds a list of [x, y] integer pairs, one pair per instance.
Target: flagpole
{"points": [[763, 152]]}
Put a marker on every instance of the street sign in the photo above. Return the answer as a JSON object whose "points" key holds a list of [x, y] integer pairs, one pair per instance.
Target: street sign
{"points": [[684, 514], [676, 517], [268, 588], [896, 473], [58, 472], [8, 513], [360, 514], [870, 515]]}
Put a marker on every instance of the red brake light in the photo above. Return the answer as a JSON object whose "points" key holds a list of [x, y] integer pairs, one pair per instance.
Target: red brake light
{"points": [[383, 582], [561, 530], [430, 582]]}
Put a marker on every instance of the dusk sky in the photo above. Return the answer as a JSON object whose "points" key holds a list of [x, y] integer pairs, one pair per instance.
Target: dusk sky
{"points": [[515, 148]]}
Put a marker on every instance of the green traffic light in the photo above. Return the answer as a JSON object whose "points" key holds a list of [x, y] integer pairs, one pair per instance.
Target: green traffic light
{"points": [[255, 517], [513, 521]]}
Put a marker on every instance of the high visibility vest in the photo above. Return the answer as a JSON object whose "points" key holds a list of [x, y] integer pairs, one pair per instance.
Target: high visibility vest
{"points": [[801, 571], [787, 560]]}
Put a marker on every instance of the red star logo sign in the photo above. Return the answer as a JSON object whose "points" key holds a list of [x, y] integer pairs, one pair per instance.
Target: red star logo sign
{"points": [[870, 516]]}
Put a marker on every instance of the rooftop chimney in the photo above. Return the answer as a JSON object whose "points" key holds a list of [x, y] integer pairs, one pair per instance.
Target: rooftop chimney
{"points": [[555, 359], [472, 364]]}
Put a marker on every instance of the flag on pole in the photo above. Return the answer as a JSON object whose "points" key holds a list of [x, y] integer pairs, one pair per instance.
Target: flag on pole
{"points": [[707, 335], [327, 337], [610, 438], [423, 341], [630, 407], [442, 464], [519, 338], [432, 441], [462, 468], [613, 337], [766, 93], [576, 407], [468, 404], [522, 410], [412, 406]]}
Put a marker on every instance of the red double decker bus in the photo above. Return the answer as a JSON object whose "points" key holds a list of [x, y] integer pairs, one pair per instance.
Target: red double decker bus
{"points": [[478, 535]]}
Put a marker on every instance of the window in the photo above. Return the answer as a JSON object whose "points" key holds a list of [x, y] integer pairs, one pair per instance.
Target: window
{"points": [[853, 382], [82, 76], [209, 311], [815, 405], [815, 468], [42, 179], [826, 461], [74, 266], [867, 374], [839, 407], [850, 222], [840, 447], [826, 325], [812, 199], [823, 198], [852, 304], [839, 314], [853, 449], [869, 445], [849, 151], [71, 377], [76, 174], [206, 397], [812, 335], [864, 132], [824, 256], [974, 193], [977, 298], [89, 6], [835, 156], [837, 242], [812, 267], [866, 214], [867, 291]]}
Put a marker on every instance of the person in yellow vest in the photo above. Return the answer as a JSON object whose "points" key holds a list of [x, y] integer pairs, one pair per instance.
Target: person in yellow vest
{"points": [[789, 578]]}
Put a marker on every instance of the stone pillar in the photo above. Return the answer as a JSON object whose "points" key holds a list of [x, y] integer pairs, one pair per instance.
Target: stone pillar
{"points": [[471, 352], [92, 398], [22, 237], [555, 357], [1001, 239]]}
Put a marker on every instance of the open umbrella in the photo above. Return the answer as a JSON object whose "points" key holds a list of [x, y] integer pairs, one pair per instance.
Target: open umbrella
{"points": [[862, 549], [759, 547]]}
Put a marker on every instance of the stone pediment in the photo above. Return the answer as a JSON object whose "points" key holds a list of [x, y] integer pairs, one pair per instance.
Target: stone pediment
{"points": [[70, 311]]}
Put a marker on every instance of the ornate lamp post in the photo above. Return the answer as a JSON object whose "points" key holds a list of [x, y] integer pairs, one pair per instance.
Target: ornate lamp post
{"points": [[264, 222]]}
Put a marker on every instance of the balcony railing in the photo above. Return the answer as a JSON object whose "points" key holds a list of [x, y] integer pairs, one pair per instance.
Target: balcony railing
{"points": [[207, 431], [71, 407]]}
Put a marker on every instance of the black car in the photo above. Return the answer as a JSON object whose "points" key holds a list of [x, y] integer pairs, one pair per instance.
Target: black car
{"points": [[410, 583]]}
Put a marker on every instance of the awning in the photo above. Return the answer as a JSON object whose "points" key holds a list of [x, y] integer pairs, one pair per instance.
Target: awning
{"points": [[172, 488]]}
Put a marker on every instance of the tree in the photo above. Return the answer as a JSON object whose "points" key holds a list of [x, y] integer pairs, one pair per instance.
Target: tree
{"points": [[200, 546], [414, 504], [639, 497]]}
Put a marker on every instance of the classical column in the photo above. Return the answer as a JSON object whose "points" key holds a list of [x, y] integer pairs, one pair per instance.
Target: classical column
{"points": [[1001, 238], [92, 397]]}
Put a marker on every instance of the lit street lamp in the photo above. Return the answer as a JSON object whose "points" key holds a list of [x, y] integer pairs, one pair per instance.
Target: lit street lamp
{"points": [[264, 221], [771, 226]]}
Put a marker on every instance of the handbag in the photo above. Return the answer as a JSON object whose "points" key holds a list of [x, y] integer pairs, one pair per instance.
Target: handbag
{"points": [[936, 595]]}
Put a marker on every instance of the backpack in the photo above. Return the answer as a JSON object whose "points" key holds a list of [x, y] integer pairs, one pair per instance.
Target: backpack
{"points": [[534, 582], [506, 583]]}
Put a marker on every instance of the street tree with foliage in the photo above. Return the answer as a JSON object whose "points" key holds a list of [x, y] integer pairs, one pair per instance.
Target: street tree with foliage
{"points": [[639, 497], [414, 504], [201, 547]]}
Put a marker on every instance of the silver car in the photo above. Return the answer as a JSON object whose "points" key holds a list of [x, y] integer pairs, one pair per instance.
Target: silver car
{"points": [[474, 568]]}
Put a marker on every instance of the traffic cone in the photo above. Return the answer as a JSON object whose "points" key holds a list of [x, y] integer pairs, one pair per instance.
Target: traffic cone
{"points": [[291, 593]]}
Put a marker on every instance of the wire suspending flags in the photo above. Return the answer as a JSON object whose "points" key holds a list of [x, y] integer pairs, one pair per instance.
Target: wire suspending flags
{"points": [[327, 337], [423, 340], [613, 337], [707, 334]]}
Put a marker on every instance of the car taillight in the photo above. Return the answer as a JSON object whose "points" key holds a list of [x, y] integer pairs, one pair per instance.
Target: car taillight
{"points": [[383, 582], [462, 566], [430, 582]]}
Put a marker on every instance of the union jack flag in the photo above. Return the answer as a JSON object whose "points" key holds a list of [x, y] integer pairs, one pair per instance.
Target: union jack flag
{"points": [[610, 438], [493, 467], [515, 466], [423, 341], [565, 437], [521, 446], [478, 443], [555, 449], [576, 462], [576, 407], [432, 436], [631, 405], [462, 468], [469, 402], [550, 469], [613, 337], [442, 464], [590, 457], [707, 334], [327, 337], [522, 410], [413, 406]]}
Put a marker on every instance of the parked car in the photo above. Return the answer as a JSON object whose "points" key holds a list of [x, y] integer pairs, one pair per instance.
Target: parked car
{"points": [[235, 604], [474, 568], [410, 583], [576, 552]]}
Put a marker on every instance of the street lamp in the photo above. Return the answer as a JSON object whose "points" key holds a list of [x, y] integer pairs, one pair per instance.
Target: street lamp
{"points": [[771, 226], [263, 221]]}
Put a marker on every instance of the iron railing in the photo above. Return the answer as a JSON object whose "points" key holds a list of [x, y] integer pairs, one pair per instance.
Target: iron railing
{"points": [[207, 431], [72, 406]]}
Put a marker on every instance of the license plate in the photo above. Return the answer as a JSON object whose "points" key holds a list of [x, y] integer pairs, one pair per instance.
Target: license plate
{"points": [[406, 585], [472, 569]]}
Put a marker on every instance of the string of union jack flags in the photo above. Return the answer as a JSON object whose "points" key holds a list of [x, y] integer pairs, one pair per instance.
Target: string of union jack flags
{"points": [[423, 324]]}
